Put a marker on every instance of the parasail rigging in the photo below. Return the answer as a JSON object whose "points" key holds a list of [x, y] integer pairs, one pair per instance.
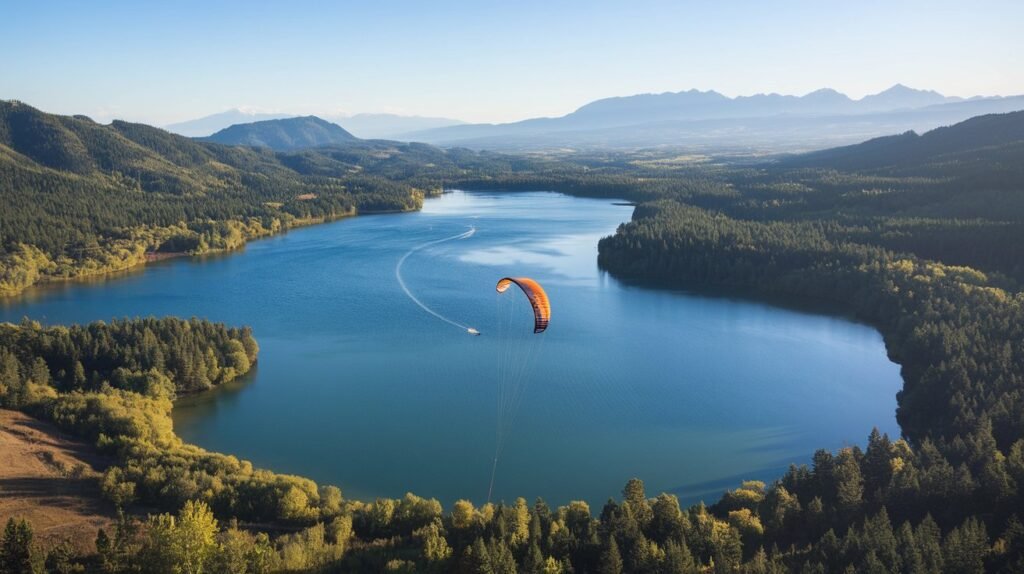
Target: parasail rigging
{"points": [[524, 312]]}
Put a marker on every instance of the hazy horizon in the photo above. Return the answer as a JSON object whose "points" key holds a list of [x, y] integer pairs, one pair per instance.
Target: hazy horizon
{"points": [[162, 64]]}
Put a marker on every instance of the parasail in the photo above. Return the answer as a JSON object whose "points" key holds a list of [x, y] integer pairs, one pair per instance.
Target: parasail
{"points": [[538, 299], [518, 351]]}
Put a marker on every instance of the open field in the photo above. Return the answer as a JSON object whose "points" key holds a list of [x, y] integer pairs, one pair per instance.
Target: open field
{"points": [[51, 480]]}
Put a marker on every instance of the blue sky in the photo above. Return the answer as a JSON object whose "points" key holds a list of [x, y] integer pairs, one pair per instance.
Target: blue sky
{"points": [[161, 62]]}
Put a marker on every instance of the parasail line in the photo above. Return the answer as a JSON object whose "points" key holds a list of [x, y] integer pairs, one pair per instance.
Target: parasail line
{"points": [[421, 304], [494, 471]]}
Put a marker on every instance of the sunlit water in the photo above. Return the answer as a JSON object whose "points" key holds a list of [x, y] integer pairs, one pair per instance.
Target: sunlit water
{"points": [[358, 386]]}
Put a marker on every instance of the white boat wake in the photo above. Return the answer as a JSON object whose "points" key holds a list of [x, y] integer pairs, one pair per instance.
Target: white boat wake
{"points": [[421, 304]]}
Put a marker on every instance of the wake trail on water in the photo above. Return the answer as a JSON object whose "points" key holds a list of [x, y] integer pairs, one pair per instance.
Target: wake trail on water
{"points": [[409, 293]]}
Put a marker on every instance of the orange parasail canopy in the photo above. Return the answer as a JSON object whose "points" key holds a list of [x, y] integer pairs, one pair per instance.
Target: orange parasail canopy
{"points": [[538, 299]]}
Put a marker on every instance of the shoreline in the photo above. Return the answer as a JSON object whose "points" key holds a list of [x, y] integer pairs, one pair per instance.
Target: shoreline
{"points": [[150, 257], [217, 391], [154, 257]]}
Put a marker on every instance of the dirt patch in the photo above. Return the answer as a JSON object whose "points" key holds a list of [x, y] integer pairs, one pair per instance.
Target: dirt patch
{"points": [[305, 196], [52, 480]]}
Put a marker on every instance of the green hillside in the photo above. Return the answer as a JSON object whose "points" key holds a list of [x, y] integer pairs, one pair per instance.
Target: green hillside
{"points": [[285, 134], [984, 147], [83, 198]]}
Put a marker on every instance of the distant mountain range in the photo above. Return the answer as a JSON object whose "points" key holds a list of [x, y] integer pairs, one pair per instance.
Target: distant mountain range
{"points": [[366, 126], [986, 150], [284, 134], [705, 121], [697, 105], [711, 120]]}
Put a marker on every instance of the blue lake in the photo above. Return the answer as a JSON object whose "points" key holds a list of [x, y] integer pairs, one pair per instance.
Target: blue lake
{"points": [[358, 386]]}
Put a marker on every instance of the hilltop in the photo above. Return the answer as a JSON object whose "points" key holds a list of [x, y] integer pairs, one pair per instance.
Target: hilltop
{"points": [[284, 134]]}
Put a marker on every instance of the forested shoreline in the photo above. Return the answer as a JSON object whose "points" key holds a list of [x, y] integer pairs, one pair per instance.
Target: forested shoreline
{"points": [[922, 254], [84, 199], [955, 330]]}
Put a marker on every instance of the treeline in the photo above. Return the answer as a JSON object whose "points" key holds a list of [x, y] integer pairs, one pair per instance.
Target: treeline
{"points": [[959, 220], [945, 505], [742, 533], [190, 541], [152, 357], [113, 384], [956, 335]]}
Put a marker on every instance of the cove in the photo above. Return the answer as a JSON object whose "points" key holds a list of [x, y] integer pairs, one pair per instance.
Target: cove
{"points": [[358, 386]]}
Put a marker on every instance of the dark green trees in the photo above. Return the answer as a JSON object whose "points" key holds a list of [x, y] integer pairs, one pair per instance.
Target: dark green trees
{"points": [[18, 555]]}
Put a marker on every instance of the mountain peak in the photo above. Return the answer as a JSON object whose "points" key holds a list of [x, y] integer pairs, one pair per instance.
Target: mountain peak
{"points": [[904, 89], [900, 96], [826, 92], [827, 97], [284, 134]]}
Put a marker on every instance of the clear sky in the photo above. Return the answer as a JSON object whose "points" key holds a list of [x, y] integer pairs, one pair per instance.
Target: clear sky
{"points": [[484, 60]]}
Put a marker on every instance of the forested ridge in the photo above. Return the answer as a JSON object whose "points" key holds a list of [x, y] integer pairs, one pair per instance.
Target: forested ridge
{"points": [[983, 139], [83, 198], [931, 258]]}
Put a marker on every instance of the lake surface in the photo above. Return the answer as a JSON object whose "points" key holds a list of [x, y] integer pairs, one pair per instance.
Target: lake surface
{"points": [[358, 386]]}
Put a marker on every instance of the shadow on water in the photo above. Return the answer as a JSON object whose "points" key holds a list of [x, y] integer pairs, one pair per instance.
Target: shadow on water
{"points": [[197, 406], [710, 491]]}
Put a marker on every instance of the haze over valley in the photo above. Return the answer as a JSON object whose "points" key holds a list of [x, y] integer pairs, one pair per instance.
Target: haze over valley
{"points": [[690, 120]]}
